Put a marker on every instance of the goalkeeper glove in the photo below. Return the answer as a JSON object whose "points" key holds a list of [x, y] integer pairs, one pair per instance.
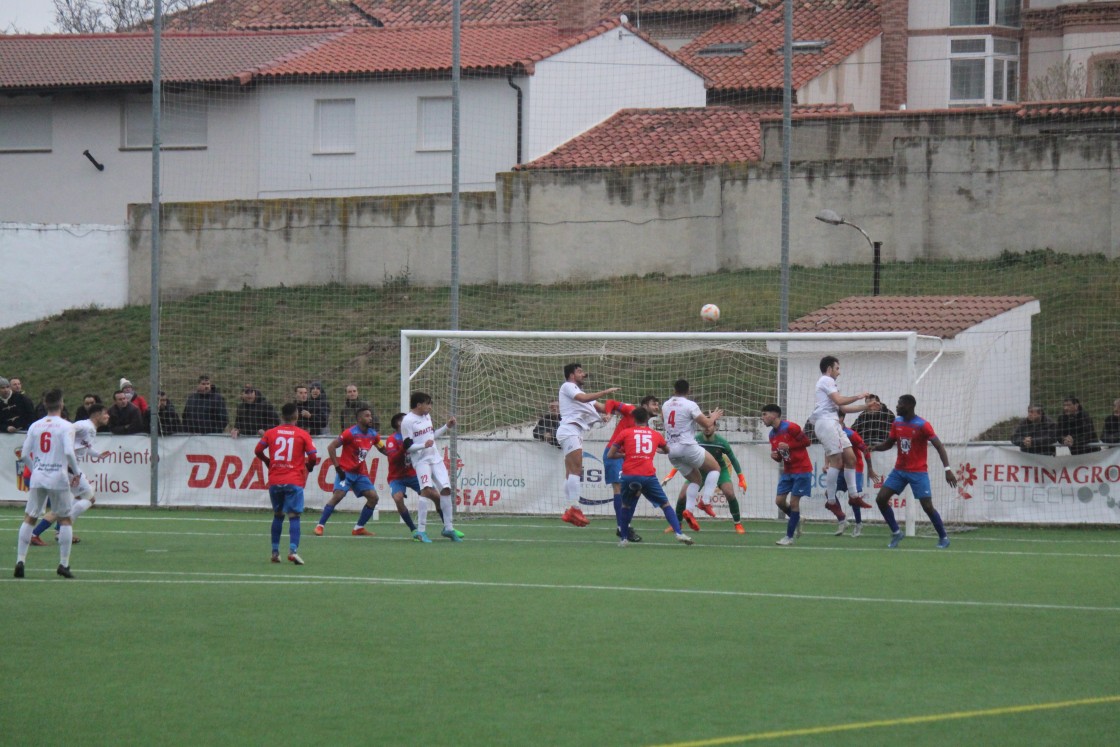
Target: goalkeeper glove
{"points": [[670, 476], [743, 482]]}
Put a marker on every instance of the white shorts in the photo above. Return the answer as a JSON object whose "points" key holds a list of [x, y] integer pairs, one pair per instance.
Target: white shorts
{"points": [[830, 432], [432, 475], [84, 489], [687, 457], [61, 502], [570, 437]]}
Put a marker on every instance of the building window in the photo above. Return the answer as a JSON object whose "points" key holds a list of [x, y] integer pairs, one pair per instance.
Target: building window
{"points": [[1104, 77], [182, 120], [983, 71], [334, 126], [434, 124], [25, 124], [985, 13]]}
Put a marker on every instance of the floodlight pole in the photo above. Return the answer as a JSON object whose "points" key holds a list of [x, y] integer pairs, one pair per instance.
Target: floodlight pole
{"points": [[154, 308], [833, 219]]}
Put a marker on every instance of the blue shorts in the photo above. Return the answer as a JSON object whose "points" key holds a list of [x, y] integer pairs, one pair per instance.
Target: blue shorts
{"points": [[612, 468], [398, 486], [355, 482], [842, 484], [286, 498], [798, 483], [647, 485], [897, 481]]}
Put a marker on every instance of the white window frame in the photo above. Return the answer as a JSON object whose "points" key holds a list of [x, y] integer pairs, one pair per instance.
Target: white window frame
{"points": [[333, 117], [993, 62], [992, 16], [37, 122], [424, 142], [178, 131]]}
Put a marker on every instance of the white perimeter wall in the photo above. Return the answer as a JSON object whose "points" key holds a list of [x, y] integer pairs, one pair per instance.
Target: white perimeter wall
{"points": [[580, 87], [52, 268]]}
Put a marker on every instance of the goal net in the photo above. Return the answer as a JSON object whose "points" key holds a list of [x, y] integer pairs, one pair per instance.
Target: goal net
{"points": [[499, 386]]}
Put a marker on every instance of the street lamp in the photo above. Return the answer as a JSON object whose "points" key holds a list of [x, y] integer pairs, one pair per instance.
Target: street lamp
{"points": [[830, 217]]}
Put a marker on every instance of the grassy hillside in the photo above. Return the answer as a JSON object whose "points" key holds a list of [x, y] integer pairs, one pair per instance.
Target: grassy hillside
{"points": [[275, 337]]}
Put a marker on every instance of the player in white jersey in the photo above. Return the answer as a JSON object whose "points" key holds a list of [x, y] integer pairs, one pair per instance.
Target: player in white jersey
{"points": [[49, 449], [682, 418], [579, 410], [829, 427], [419, 438], [85, 433]]}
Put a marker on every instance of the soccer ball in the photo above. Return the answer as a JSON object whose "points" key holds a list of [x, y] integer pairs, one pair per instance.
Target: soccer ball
{"points": [[709, 312]]}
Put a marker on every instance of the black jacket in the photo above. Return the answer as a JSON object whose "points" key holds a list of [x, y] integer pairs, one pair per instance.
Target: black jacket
{"points": [[873, 427], [169, 422], [17, 411], [205, 413], [1080, 426], [256, 416], [125, 420], [1111, 432], [1043, 435]]}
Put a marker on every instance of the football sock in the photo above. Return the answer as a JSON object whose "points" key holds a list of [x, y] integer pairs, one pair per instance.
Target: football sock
{"points": [[447, 504], [277, 527], [625, 516], [327, 511], [80, 507], [831, 477], [24, 541], [791, 525], [858, 514], [733, 504], [680, 509], [939, 525], [671, 517], [835, 509], [711, 480], [690, 497], [849, 479], [293, 533], [888, 516], [364, 516], [406, 517], [65, 542], [422, 514], [619, 508], [40, 527], [571, 489]]}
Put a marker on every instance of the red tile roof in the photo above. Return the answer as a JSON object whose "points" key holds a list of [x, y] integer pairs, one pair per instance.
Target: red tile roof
{"points": [[284, 14], [662, 137], [1074, 109], [77, 60], [68, 61], [845, 26], [943, 316]]}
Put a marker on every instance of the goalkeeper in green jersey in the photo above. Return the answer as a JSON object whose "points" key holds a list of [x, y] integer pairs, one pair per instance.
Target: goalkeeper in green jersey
{"points": [[719, 448]]}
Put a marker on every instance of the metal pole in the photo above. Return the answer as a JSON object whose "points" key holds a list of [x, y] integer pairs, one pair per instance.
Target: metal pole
{"points": [[456, 147], [153, 349], [787, 128], [878, 247]]}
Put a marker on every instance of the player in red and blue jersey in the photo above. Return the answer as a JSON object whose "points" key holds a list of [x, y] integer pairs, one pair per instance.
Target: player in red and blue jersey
{"points": [[291, 458], [612, 468], [855, 498], [636, 447], [912, 434], [351, 472], [401, 475], [789, 447]]}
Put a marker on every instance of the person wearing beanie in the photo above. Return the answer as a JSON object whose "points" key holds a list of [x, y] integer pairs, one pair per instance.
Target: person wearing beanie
{"points": [[141, 403]]}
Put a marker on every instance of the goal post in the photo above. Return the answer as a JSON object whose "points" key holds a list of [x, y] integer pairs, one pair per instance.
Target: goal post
{"points": [[506, 380]]}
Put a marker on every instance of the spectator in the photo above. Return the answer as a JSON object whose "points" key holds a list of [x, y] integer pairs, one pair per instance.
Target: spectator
{"points": [[320, 409], [1037, 434], [141, 403], [16, 412], [169, 422], [545, 429], [254, 414], [1111, 433], [348, 414], [40, 410], [205, 411], [1075, 428], [124, 417], [83, 410], [304, 412], [874, 424]]}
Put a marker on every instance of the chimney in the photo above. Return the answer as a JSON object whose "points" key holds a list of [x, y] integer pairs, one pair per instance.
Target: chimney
{"points": [[575, 16], [894, 16]]}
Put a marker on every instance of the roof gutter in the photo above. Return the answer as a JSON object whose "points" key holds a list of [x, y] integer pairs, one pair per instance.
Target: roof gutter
{"points": [[520, 101]]}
